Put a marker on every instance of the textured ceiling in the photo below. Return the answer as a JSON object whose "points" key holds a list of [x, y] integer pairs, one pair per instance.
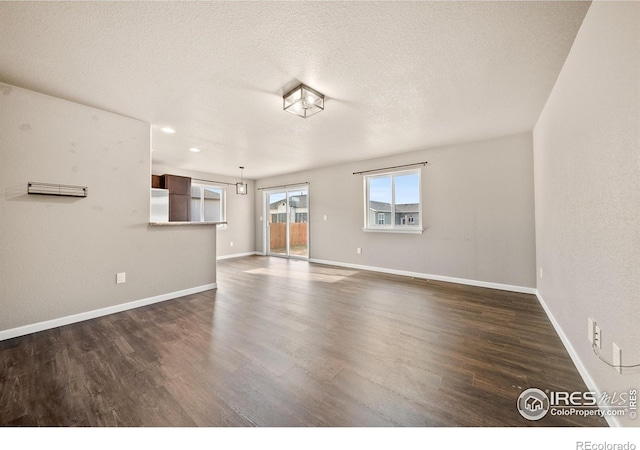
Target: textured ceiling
{"points": [[398, 76]]}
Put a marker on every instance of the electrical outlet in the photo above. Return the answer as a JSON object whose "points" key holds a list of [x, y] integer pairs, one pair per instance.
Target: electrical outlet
{"points": [[541, 276], [359, 251], [325, 217], [617, 357], [231, 244], [121, 277], [595, 335]]}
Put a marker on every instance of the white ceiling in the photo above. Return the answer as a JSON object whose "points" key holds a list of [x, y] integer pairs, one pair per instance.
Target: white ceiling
{"points": [[398, 76]]}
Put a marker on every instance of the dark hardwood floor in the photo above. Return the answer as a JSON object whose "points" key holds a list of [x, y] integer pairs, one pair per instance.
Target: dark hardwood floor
{"points": [[287, 343]]}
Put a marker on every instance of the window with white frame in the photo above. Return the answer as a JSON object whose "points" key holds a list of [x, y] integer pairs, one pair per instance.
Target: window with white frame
{"points": [[208, 203], [393, 201]]}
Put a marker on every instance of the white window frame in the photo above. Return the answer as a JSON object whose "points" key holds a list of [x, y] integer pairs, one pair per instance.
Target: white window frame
{"points": [[223, 207], [415, 228]]}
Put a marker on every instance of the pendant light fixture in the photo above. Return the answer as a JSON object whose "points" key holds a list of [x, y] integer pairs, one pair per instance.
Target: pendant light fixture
{"points": [[241, 188], [303, 101]]}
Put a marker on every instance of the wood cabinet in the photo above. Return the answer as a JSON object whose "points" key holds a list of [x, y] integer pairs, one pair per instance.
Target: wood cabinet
{"points": [[177, 185], [179, 197], [156, 182], [179, 208]]}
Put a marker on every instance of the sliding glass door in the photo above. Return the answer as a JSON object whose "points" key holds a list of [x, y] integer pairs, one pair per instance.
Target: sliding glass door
{"points": [[287, 224]]}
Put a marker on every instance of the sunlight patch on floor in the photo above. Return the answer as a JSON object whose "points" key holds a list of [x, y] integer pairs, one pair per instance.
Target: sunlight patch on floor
{"points": [[308, 276]]}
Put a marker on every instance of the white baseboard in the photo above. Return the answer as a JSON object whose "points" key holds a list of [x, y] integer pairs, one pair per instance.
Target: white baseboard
{"points": [[54, 323], [236, 255], [485, 284], [584, 373]]}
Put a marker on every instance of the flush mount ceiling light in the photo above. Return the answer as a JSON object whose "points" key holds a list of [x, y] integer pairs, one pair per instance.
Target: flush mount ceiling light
{"points": [[194, 150], [241, 188], [303, 101], [167, 130]]}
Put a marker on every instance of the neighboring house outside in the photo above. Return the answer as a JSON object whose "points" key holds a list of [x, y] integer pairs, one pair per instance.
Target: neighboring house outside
{"points": [[405, 214], [408, 214], [299, 205]]}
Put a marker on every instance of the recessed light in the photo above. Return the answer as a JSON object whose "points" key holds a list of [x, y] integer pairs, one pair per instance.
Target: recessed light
{"points": [[168, 130], [194, 150]]}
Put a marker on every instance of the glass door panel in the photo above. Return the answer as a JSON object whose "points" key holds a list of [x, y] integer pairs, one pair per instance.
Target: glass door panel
{"points": [[298, 223], [277, 223]]}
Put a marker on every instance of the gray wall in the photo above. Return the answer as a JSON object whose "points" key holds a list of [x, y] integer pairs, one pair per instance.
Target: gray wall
{"points": [[477, 205], [240, 212], [587, 191], [59, 256]]}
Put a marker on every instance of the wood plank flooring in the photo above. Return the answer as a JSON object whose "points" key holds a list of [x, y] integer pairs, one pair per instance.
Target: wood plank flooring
{"points": [[288, 343]]}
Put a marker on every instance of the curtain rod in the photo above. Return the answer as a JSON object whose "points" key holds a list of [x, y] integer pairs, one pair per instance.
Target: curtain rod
{"points": [[423, 163], [212, 181], [282, 186]]}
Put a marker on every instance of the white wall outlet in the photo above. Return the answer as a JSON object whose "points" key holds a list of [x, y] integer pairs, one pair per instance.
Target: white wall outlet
{"points": [[324, 217], [121, 277], [231, 244], [541, 276], [595, 335], [617, 357], [261, 219], [359, 251]]}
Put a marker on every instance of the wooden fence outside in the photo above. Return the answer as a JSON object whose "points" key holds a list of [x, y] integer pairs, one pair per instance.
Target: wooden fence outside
{"points": [[278, 235]]}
